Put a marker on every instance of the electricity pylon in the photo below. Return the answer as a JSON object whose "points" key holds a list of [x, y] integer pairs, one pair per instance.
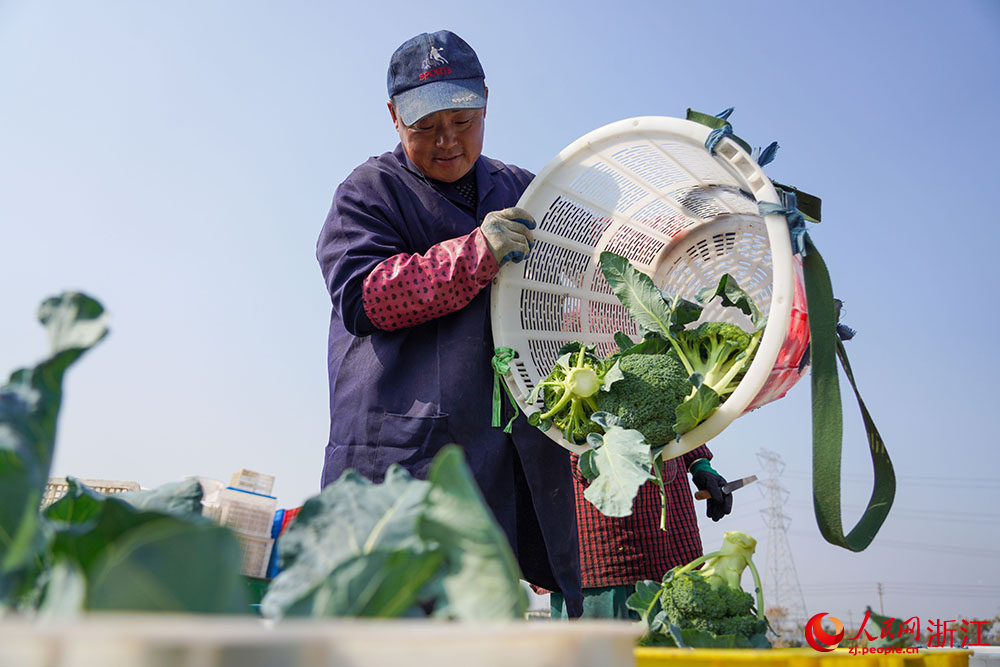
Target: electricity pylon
{"points": [[783, 599]]}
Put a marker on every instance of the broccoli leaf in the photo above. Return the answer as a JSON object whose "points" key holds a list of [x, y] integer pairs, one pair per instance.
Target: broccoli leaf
{"points": [[653, 343], [732, 296], [637, 292], [683, 312], [694, 638], [94, 533], [29, 407], [585, 463], [570, 347], [622, 341], [381, 584], [144, 570], [622, 465], [613, 375], [696, 409], [535, 418], [87, 523], [349, 517], [435, 539], [182, 498], [645, 601], [566, 360], [481, 577]]}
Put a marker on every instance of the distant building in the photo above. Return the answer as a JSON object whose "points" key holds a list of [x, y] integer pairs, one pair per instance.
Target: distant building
{"points": [[58, 486]]}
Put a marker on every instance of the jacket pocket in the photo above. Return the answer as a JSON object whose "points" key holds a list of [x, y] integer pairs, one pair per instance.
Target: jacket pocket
{"points": [[411, 442]]}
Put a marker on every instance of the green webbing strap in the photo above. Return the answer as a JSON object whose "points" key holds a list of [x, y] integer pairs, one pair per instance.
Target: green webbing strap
{"points": [[502, 356], [826, 347], [809, 205], [717, 123]]}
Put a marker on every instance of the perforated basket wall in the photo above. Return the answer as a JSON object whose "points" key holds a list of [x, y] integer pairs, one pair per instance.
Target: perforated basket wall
{"points": [[256, 554], [648, 189], [246, 512]]}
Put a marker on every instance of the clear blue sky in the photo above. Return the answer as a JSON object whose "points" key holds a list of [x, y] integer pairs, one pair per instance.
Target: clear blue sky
{"points": [[176, 160]]}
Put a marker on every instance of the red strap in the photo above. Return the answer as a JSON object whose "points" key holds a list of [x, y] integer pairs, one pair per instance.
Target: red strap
{"points": [[410, 289]]}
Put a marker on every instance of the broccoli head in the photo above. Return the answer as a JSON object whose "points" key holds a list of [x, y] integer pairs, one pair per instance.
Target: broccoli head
{"points": [[719, 351], [647, 395], [691, 596], [709, 600], [568, 394]]}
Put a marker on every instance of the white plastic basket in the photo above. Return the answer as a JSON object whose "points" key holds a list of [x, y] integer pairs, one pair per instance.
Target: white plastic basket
{"points": [[256, 553], [243, 511], [648, 189], [251, 480]]}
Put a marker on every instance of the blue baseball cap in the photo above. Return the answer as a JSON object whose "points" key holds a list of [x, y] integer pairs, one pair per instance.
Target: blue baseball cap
{"points": [[433, 72]]}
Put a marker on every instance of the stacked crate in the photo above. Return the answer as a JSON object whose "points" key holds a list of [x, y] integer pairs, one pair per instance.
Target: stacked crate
{"points": [[247, 507]]}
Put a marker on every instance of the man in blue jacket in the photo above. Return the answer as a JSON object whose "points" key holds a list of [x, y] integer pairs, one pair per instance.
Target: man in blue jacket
{"points": [[409, 249]]}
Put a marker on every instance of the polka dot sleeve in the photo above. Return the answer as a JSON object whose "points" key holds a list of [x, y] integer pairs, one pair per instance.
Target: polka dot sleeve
{"points": [[410, 289]]}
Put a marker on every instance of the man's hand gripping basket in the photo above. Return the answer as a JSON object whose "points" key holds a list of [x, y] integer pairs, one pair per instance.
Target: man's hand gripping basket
{"points": [[648, 189]]}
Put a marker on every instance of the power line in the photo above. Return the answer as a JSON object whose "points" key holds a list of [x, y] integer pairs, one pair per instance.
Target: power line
{"points": [[930, 591], [916, 480], [973, 552], [989, 588], [928, 515]]}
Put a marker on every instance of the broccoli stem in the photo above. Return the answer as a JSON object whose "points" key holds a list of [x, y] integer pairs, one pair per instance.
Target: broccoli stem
{"points": [[759, 591], [567, 394], [736, 368], [560, 404], [658, 471], [697, 561], [649, 609], [680, 353]]}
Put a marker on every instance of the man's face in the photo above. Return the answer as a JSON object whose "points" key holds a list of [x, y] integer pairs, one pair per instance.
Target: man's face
{"points": [[443, 145]]}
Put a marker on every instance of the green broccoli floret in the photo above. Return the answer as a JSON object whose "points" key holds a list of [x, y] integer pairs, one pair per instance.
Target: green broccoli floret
{"points": [[709, 600], [647, 395], [568, 395], [718, 351], [693, 602]]}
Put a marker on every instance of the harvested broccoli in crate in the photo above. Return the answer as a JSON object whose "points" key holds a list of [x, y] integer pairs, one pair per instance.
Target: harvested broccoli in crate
{"points": [[705, 608]]}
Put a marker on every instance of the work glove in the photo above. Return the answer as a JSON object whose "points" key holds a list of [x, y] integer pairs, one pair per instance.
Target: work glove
{"points": [[707, 479], [508, 234]]}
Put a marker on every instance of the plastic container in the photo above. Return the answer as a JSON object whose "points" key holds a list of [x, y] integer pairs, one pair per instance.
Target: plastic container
{"points": [[178, 640], [253, 481], [797, 657], [945, 657], [648, 189], [985, 656], [246, 512], [250, 515], [256, 552]]}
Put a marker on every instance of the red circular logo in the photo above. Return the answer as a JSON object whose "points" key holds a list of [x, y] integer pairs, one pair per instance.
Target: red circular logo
{"points": [[820, 639]]}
